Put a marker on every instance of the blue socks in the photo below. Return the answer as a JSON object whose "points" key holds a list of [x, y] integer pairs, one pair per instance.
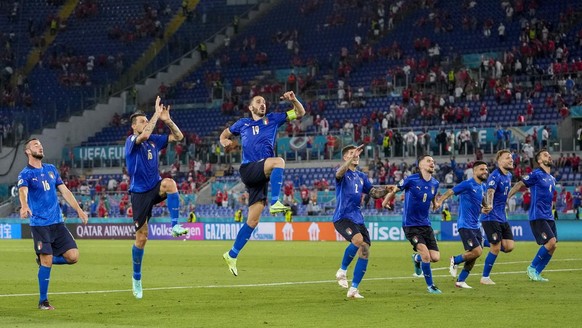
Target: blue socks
{"points": [[173, 203], [427, 273], [276, 183], [359, 271], [417, 258], [544, 263], [459, 259], [540, 256], [241, 239], [541, 260], [137, 254], [349, 254], [59, 260], [463, 276], [44, 275], [489, 261]]}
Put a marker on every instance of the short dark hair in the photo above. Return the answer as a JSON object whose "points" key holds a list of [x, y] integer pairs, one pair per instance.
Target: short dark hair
{"points": [[477, 163], [420, 158], [500, 153], [537, 155], [346, 149], [27, 142], [136, 114]]}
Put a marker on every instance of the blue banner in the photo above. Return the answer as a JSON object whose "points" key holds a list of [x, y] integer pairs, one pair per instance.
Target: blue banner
{"points": [[10, 231], [521, 231]]}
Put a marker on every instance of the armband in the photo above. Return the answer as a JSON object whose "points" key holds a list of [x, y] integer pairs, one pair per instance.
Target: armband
{"points": [[291, 114]]}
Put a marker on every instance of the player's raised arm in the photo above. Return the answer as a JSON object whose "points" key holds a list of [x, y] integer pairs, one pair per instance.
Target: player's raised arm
{"points": [[380, 191], [438, 203], [225, 138], [149, 128], [297, 111], [175, 133], [70, 198], [348, 159], [516, 187]]}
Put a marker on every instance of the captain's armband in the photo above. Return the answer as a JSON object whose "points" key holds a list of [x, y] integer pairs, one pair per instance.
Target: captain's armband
{"points": [[291, 114]]}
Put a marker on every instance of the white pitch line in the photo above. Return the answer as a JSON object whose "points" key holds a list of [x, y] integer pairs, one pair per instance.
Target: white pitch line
{"points": [[273, 284]]}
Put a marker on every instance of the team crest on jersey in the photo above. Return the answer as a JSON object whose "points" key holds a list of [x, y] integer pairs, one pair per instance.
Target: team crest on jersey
{"points": [[349, 231], [544, 236], [470, 243], [52, 175], [432, 190], [361, 181], [39, 245], [265, 121], [494, 236], [401, 182]]}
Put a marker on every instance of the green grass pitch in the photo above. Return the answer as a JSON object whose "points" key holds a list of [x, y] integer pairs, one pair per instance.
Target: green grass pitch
{"points": [[283, 284]]}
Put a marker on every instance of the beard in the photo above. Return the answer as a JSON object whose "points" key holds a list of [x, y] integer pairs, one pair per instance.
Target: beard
{"points": [[548, 163], [37, 155], [508, 167]]}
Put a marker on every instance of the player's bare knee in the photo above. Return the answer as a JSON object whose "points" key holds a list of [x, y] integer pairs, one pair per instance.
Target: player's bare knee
{"points": [[168, 186], [279, 162], [72, 256], [358, 240], [551, 245], [476, 252]]}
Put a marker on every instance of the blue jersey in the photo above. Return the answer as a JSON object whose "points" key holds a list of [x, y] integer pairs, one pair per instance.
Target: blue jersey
{"points": [[348, 195], [142, 161], [258, 137], [470, 199], [42, 194], [418, 197], [501, 183], [542, 186]]}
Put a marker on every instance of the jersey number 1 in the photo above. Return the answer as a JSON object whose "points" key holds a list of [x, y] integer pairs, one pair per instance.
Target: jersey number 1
{"points": [[46, 186]]}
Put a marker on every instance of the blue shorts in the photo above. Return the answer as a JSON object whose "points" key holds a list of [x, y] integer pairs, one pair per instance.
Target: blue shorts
{"points": [[421, 235], [497, 231], [543, 230], [142, 204], [54, 239], [471, 238], [253, 176], [348, 229]]}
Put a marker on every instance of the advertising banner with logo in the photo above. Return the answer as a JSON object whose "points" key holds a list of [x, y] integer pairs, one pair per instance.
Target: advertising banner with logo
{"points": [[312, 231], [164, 231], [99, 152], [521, 231], [228, 231], [386, 231], [10, 231], [102, 231]]}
